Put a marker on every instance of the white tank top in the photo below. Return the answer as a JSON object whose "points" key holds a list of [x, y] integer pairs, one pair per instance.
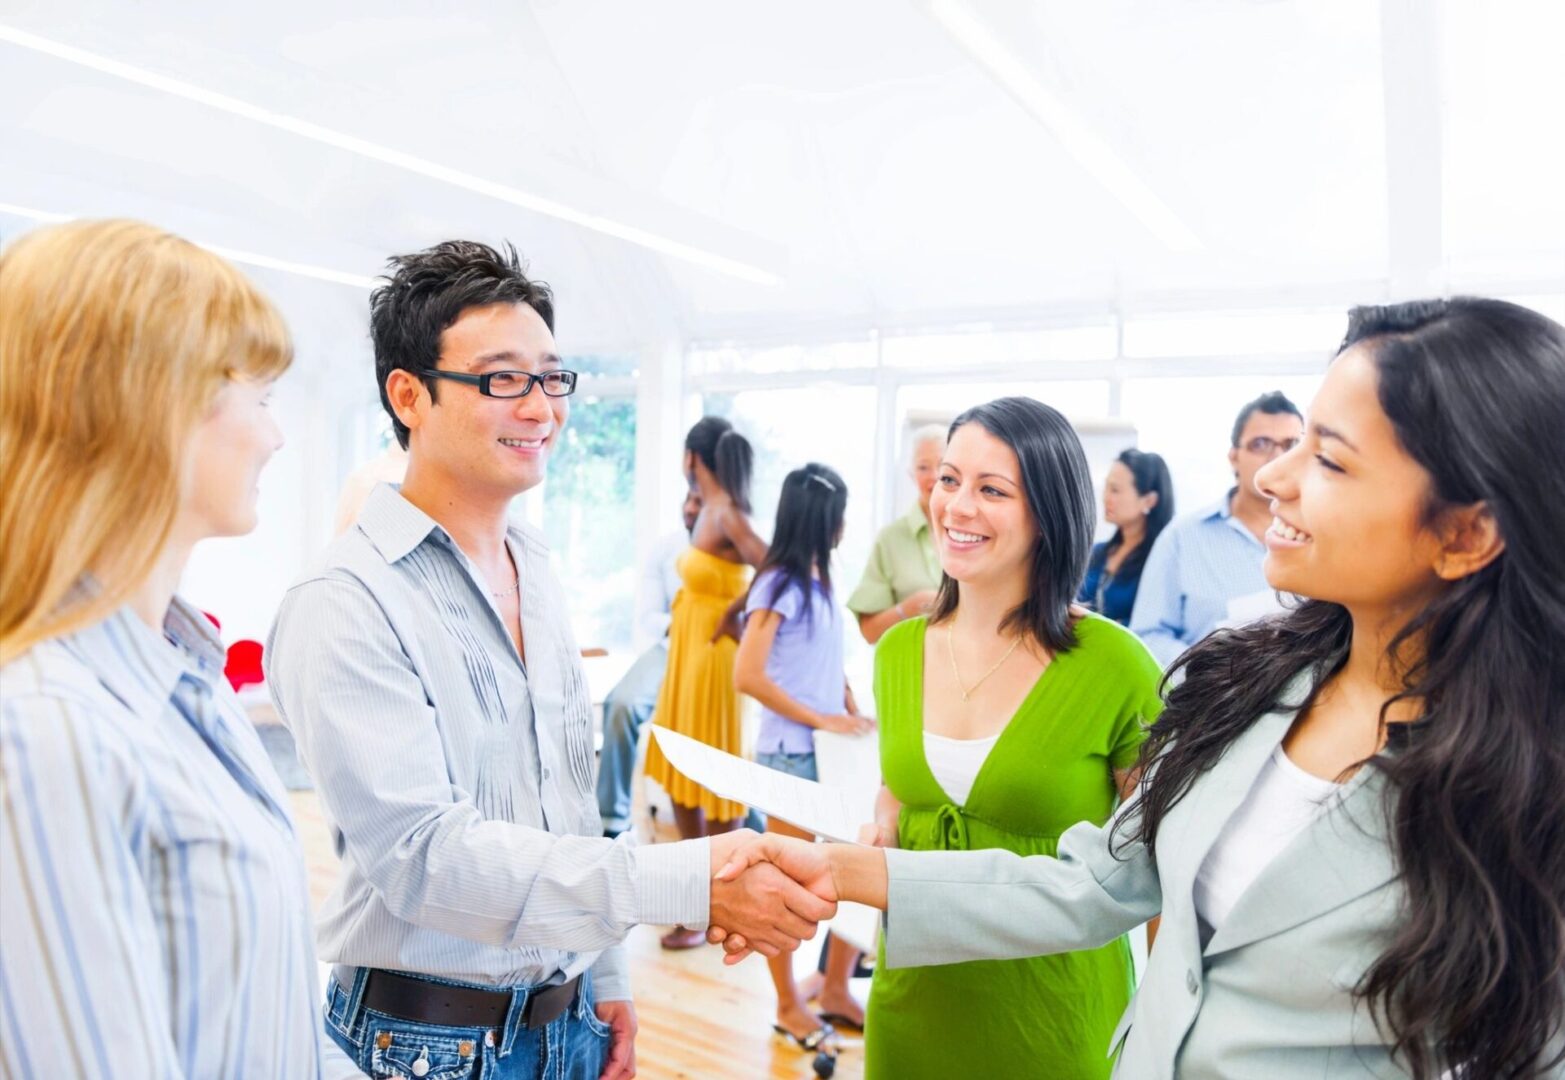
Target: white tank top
{"points": [[955, 762], [1282, 803]]}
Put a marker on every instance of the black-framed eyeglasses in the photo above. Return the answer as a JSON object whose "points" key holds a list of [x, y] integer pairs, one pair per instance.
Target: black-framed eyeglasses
{"points": [[511, 384], [1267, 446]]}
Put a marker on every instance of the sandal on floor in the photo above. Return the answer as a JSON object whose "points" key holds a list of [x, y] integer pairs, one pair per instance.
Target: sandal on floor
{"points": [[842, 1023], [813, 1043]]}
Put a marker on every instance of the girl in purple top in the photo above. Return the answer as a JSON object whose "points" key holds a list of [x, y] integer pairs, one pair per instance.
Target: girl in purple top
{"points": [[790, 660]]}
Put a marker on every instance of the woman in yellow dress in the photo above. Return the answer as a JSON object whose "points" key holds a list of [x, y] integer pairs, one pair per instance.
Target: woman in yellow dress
{"points": [[698, 697]]}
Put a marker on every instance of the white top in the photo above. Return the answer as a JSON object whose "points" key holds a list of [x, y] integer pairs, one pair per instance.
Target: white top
{"points": [[955, 762], [1281, 804]]}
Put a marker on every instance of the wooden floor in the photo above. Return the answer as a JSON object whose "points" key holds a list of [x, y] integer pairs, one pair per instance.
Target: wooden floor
{"points": [[698, 1018]]}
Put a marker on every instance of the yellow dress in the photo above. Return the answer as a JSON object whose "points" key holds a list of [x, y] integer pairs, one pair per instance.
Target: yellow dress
{"points": [[698, 696]]}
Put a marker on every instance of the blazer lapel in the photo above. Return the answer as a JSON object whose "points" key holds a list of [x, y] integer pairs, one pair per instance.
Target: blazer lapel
{"points": [[1343, 854], [1193, 824]]}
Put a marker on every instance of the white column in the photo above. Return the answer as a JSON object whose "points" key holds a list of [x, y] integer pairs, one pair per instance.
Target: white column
{"points": [[660, 438], [1410, 74]]}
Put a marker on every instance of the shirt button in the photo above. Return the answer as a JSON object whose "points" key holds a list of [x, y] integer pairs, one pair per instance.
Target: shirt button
{"points": [[546, 774], [1191, 983]]}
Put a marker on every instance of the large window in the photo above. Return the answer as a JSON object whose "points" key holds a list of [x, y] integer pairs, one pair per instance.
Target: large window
{"points": [[589, 518]]}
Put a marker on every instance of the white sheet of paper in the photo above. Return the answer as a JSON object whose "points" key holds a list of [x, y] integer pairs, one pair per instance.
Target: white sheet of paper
{"points": [[826, 811], [851, 763]]}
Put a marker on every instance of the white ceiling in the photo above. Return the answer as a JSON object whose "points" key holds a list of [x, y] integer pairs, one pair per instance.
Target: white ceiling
{"points": [[853, 151]]}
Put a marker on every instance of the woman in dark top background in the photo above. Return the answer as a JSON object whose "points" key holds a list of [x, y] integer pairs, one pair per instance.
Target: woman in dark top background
{"points": [[1138, 499]]}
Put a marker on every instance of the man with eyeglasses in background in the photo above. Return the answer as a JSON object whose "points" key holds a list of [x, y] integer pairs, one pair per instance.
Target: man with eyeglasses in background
{"points": [[1204, 571], [429, 674]]}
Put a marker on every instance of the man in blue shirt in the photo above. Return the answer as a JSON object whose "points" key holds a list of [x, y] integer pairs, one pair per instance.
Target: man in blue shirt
{"points": [[1205, 569]]}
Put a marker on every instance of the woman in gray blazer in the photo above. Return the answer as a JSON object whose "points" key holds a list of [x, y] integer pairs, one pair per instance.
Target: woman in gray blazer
{"points": [[1352, 818]]}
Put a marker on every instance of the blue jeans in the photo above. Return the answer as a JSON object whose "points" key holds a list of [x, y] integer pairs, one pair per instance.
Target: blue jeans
{"points": [[573, 1046], [625, 712], [800, 765]]}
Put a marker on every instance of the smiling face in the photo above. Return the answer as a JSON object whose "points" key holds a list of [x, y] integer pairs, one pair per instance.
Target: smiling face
{"points": [[493, 446], [1349, 503], [983, 528], [223, 463]]}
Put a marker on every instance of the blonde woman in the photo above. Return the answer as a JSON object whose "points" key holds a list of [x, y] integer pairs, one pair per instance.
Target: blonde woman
{"points": [[156, 919]]}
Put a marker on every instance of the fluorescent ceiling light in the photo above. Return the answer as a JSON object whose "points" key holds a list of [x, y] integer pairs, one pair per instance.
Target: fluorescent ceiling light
{"points": [[249, 258], [31, 214], [409, 162], [1074, 134]]}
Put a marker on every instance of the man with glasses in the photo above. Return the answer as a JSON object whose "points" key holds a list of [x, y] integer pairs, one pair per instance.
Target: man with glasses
{"points": [[1205, 569], [429, 675]]}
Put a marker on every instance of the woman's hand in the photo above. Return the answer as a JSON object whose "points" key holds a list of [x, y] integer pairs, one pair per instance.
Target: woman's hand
{"points": [[844, 724], [876, 834]]}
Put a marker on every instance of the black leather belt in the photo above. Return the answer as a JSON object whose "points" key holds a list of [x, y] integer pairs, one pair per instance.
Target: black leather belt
{"points": [[407, 997]]}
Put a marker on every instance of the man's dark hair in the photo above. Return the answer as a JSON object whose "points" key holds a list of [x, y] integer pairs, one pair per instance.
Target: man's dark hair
{"points": [[1273, 404], [427, 291]]}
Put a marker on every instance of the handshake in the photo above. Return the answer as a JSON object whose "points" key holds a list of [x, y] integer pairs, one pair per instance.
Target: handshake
{"points": [[770, 892]]}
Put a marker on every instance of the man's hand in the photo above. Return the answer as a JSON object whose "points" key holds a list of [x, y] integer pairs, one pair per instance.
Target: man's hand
{"points": [[772, 911], [799, 862], [620, 1016]]}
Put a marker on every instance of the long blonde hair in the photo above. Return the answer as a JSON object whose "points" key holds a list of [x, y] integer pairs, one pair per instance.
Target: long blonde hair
{"points": [[115, 339]]}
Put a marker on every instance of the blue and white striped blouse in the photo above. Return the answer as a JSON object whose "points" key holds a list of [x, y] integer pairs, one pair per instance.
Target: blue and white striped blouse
{"points": [[155, 916], [460, 785]]}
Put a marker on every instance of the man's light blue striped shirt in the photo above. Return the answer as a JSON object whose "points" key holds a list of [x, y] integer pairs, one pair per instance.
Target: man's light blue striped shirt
{"points": [[1195, 569], [155, 918], [459, 784]]}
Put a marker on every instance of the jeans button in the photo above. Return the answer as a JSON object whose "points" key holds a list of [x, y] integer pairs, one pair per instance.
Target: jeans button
{"points": [[1191, 983]]}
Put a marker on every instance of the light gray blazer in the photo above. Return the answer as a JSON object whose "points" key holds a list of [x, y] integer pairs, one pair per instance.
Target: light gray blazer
{"points": [[1268, 998]]}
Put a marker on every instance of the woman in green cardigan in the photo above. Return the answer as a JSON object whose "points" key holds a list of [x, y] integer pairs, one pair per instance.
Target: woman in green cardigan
{"points": [[1006, 717]]}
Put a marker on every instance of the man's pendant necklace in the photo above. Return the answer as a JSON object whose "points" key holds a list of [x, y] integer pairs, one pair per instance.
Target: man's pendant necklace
{"points": [[968, 691], [509, 592]]}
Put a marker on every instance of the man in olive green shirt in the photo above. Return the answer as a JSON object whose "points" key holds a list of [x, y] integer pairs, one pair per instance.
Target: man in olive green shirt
{"points": [[904, 569]]}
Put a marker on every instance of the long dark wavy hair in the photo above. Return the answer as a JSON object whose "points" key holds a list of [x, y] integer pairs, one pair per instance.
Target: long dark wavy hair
{"points": [[810, 510], [1474, 976], [1149, 472], [727, 454], [1059, 500]]}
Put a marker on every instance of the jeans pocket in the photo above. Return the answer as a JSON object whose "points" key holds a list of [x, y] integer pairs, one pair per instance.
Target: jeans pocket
{"points": [[399, 1048], [589, 1019]]}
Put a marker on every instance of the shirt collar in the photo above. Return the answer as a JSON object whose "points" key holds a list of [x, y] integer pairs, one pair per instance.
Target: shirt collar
{"points": [[917, 521], [393, 525], [396, 527], [1222, 509], [142, 667]]}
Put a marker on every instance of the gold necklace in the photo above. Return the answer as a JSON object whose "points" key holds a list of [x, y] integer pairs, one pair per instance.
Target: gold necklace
{"points": [[968, 692]]}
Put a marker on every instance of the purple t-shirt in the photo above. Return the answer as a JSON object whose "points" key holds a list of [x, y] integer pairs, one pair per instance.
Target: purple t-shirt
{"points": [[805, 661]]}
